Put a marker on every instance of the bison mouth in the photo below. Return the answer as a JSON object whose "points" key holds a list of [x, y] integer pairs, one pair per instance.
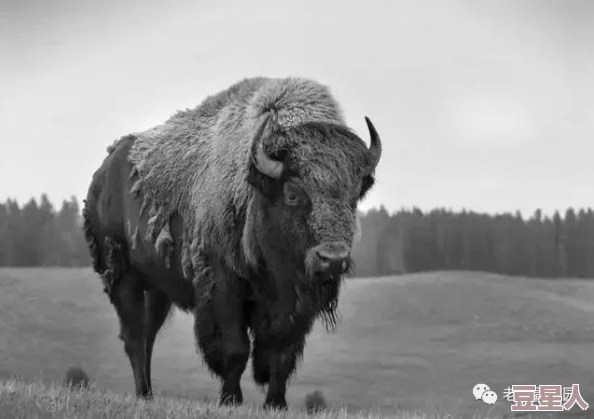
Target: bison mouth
{"points": [[322, 288], [330, 277]]}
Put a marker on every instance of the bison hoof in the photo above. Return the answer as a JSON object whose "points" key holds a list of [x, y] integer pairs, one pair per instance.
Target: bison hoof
{"points": [[275, 404], [145, 395], [231, 399]]}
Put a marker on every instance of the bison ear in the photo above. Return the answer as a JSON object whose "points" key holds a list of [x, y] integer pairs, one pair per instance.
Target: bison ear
{"points": [[267, 186]]}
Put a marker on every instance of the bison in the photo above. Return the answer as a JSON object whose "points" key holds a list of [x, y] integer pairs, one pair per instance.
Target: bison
{"points": [[241, 211]]}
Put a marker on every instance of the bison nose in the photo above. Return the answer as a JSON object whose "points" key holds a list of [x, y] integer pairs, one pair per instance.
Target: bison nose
{"points": [[333, 261]]}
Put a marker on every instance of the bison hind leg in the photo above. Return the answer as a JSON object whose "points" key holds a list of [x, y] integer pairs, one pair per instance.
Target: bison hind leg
{"points": [[128, 300], [126, 291], [157, 309]]}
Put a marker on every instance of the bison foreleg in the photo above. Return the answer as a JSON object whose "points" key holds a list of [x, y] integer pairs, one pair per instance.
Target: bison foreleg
{"points": [[226, 350], [281, 364], [235, 363], [221, 332]]}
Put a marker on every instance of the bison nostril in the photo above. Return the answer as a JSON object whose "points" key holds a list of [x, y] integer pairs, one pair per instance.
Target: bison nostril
{"points": [[332, 257], [332, 263]]}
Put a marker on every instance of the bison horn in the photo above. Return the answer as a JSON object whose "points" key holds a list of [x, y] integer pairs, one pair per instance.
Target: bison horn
{"points": [[262, 160], [266, 165], [375, 146]]}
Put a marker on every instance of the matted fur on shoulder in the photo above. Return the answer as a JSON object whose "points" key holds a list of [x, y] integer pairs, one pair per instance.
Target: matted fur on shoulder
{"points": [[195, 164]]}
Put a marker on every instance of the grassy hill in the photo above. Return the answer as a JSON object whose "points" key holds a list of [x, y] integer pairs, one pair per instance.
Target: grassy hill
{"points": [[413, 343]]}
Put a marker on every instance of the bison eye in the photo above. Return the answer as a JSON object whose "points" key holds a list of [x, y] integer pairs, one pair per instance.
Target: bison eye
{"points": [[291, 195], [292, 198]]}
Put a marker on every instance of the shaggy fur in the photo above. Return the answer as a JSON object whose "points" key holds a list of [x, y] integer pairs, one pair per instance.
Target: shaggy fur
{"points": [[213, 218], [195, 162], [198, 160]]}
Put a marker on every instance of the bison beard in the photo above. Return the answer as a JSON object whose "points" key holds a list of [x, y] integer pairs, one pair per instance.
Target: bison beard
{"points": [[196, 213]]}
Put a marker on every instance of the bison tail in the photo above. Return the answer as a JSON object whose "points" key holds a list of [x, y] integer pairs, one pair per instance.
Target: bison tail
{"points": [[91, 240]]}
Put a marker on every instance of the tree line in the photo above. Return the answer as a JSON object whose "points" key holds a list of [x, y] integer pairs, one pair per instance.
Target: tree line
{"points": [[540, 246], [38, 234]]}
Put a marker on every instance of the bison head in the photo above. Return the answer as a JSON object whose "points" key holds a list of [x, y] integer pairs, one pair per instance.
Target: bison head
{"points": [[308, 179]]}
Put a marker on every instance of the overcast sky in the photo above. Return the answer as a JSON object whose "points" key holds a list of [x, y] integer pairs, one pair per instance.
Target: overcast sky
{"points": [[486, 105]]}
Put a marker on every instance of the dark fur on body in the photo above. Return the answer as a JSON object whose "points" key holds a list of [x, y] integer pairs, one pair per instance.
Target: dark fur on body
{"points": [[182, 214]]}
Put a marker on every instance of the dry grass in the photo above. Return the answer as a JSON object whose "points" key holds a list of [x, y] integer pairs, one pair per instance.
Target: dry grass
{"points": [[39, 400]]}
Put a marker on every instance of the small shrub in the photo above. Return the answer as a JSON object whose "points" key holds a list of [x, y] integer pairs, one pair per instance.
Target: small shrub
{"points": [[76, 377], [315, 402]]}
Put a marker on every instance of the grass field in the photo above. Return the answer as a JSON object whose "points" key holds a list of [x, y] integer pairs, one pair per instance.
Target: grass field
{"points": [[20, 400], [414, 343]]}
